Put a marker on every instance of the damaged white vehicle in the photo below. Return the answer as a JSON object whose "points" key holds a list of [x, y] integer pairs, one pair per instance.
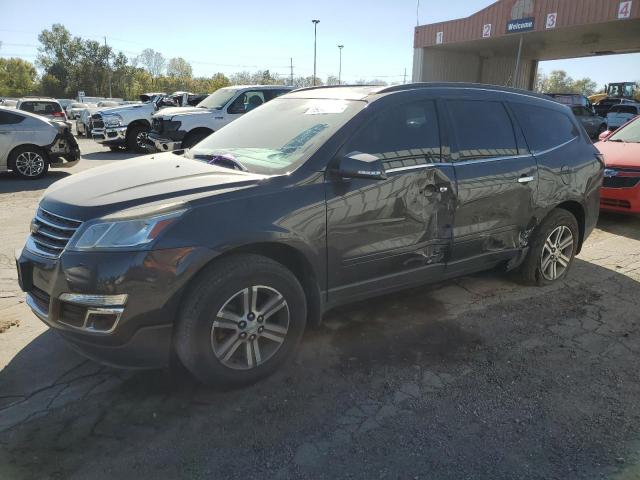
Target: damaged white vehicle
{"points": [[181, 127], [30, 144]]}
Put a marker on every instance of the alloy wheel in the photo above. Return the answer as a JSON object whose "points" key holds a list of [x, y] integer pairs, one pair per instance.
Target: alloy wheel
{"points": [[556, 253], [30, 164], [250, 327]]}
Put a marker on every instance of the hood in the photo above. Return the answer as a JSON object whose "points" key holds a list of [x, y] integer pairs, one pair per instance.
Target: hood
{"points": [[177, 111], [618, 154], [157, 178]]}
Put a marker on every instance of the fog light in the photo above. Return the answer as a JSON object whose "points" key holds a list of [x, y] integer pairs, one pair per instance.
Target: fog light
{"points": [[91, 313], [103, 321]]}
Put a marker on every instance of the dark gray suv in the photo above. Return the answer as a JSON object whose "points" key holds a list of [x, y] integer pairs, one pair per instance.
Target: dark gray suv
{"points": [[225, 252]]}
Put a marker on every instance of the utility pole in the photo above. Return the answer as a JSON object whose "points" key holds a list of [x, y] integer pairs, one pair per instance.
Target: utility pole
{"points": [[291, 61], [405, 76], [315, 36], [108, 67], [417, 13], [340, 47]]}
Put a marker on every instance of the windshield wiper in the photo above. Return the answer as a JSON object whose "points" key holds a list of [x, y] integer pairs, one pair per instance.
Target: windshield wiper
{"points": [[617, 140]]}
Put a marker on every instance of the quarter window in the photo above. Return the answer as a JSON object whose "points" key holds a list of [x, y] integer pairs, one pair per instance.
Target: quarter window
{"points": [[483, 129], [8, 118], [401, 136], [544, 128]]}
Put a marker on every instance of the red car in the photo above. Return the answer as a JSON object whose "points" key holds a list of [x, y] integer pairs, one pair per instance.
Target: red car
{"points": [[621, 186]]}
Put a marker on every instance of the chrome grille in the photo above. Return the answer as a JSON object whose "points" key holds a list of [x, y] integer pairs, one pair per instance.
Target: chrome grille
{"points": [[50, 233]]}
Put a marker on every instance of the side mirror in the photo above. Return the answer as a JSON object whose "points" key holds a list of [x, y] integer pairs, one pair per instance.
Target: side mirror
{"points": [[604, 135], [361, 165]]}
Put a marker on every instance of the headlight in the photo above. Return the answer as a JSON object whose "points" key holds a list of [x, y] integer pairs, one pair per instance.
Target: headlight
{"points": [[112, 120], [114, 234]]}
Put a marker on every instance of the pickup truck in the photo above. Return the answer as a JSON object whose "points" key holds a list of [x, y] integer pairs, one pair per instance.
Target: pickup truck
{"points": [[183, 127], [127, 126]]}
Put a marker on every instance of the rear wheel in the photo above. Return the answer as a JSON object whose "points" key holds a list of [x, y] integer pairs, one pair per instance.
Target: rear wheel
{"points": [[135, 138], [29, 162], [552, 249], [243, 318]]}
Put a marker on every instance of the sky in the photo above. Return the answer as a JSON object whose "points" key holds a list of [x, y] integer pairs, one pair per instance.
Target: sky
{"points": [[216, 36]]}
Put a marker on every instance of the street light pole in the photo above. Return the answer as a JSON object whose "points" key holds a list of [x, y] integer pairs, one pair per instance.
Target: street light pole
{"points": [[340, 47], [315, 35]]}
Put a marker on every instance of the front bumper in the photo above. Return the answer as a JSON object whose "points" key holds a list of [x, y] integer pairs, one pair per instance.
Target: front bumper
{"points": [[110, 135], [155, 143], [621, 200], [135, 333]]}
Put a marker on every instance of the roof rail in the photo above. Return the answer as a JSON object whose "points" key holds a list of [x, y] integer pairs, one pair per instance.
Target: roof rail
{"points": [[333, 86], [482, 86]]}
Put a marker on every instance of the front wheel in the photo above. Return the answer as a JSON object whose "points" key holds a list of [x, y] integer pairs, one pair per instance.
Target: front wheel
{"points": [[194, 138], [136, 136], [243, 318], [29, 162], [552, 249]]}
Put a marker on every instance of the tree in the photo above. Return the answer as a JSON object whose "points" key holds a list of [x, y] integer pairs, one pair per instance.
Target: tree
{"points": [[58, 55], [179, 67], [152, 61], [332, 80], [17, 77], [559, 82]]}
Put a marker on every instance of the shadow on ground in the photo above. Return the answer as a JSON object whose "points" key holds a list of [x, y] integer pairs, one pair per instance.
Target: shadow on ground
{"points": [[10, 183], [396, 386], [625, 225]]}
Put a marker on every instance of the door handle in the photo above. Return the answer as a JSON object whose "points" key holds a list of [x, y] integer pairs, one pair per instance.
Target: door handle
{"points": [[525, 179]]}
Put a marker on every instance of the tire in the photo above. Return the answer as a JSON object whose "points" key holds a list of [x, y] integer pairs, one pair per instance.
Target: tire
{"points": [[192, 138], [29, 162], [534, 270], [204, 339], [133, 138]]}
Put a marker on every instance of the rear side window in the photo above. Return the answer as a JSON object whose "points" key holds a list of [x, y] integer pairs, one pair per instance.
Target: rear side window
{"points": [[41, 108], [271, 94], [544, 128], [483, 129], [401, 136], [8, 118]]}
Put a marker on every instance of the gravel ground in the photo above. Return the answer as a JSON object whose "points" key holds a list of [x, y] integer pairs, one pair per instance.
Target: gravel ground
{"points": [[475, 378]]}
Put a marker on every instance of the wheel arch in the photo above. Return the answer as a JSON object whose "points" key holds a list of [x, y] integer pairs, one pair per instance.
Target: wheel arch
{"points": [[285, 254], [142, 122], [11, 159], [577, 210]]}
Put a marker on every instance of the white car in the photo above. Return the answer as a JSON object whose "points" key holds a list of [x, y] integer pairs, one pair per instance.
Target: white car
{"points": [[621, 114], [183, 127], [127, 126], [30, 144], [73, 110]]}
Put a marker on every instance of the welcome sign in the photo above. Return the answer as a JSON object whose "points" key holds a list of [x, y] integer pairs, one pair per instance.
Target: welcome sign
{"points": [[520, 25]]}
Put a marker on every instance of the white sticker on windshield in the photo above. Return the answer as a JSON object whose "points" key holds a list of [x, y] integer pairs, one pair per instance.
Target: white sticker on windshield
{"points": [[322, 107]]}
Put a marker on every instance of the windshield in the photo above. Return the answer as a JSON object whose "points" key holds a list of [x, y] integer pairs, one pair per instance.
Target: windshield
{"points": [[277, 137], [218, 99], [629, 134]]}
